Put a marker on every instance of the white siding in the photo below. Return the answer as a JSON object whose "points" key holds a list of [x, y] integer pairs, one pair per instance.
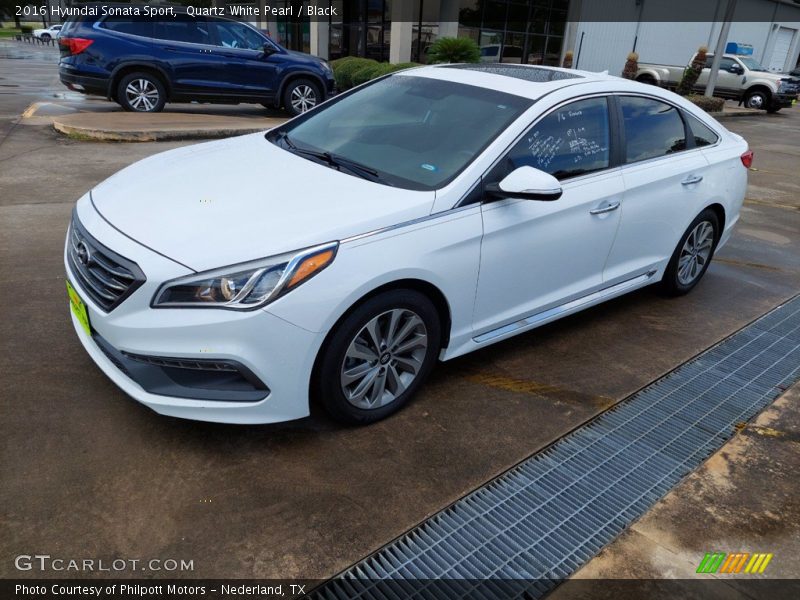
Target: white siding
{"points": [[606, 44]]}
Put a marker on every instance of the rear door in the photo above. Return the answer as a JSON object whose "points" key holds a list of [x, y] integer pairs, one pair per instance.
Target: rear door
{"points": [[664, 174], [245, 68], [186, 46]]}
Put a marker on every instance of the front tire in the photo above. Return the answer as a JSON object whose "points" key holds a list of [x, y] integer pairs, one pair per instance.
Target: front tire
{"points": [[300, 96], [693, 254], [378, 356], [758, 100], [141, 92]]}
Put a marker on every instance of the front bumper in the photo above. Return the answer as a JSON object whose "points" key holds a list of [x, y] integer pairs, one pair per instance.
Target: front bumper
{"points": [[272, 358], [784, 99]]}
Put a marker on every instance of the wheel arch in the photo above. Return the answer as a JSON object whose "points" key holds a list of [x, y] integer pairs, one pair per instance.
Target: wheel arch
{"points": [[129, 67], [294, 75], [759, 87], [432, 292]]}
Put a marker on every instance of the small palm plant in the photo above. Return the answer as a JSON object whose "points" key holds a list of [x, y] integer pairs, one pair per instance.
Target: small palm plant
{"points": [[631, 66], [567, 62], [692, 72], [454, 50]]}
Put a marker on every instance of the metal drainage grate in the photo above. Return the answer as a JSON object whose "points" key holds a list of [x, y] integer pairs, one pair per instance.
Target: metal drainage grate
{"points": [[524, 532]]}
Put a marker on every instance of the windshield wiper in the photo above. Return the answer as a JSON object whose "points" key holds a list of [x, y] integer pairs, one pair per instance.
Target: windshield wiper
{"points": [[334, 160]]}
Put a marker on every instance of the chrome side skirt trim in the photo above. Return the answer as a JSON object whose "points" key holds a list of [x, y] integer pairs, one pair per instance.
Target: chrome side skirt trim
{"points": [[562, 309]]}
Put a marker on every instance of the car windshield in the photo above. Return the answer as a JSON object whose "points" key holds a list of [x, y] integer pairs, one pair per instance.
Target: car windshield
{"points": [[752, 64], [411, 132]]}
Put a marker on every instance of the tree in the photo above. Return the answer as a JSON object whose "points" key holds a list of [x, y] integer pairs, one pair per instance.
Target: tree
{"points": [[454, 50], [8, 8]]}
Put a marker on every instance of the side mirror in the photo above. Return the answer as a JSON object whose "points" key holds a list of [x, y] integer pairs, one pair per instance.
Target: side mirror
{"points": [[736, 69], [526, 183], [268, 49]]}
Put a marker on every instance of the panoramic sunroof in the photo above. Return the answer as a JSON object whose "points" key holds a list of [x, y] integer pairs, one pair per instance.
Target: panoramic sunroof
{"points": [[535, 74]]}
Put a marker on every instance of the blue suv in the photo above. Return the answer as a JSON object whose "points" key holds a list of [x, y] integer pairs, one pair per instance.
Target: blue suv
{"points": [[142, 63]]}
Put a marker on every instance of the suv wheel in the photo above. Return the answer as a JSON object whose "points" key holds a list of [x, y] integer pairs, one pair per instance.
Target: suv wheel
{"points": [[378, 356], [693, 254], [141, 92], [301, 95], [45, 37]]}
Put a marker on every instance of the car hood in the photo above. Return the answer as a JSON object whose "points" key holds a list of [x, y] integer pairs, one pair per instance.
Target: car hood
{"points": [[243, 198]]}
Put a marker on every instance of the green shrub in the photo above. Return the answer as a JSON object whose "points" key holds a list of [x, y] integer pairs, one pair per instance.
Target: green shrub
{"points": [[713, 104], [26, 29], [345, 68], [368, 72], [454, 50], [692, 72]]}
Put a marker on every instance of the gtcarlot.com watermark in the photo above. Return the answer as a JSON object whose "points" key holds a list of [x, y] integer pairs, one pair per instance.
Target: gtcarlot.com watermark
{"points": [[47, 563]]}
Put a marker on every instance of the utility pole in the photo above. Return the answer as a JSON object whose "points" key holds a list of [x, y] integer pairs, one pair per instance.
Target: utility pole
{"points": [[720, 49]]}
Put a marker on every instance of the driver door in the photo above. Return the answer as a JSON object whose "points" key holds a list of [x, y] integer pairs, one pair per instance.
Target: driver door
{"points": [[537, 255]]}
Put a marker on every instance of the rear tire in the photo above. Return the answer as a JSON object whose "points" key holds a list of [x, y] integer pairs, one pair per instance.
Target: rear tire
{"points": [[300, 96], [46, 37], [141, 92], [693, 254], [377, 357]]}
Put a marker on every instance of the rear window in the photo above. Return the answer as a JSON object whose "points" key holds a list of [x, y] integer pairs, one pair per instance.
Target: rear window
{"points": [[183, 28], [703, 135], [130, 25], [652, 128]]}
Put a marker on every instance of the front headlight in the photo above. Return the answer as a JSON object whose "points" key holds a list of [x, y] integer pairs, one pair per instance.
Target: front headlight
{"points": [[248, 285]]}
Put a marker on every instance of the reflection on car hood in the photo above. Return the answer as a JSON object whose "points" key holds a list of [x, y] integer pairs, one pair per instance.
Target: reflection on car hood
{"points": [[243, 198]]}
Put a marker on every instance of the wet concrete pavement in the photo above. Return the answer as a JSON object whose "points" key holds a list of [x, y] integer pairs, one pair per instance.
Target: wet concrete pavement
{"points": [[89, 472]]}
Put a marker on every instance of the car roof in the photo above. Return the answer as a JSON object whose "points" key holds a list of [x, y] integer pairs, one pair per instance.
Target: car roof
{"points": [[528, 81]]}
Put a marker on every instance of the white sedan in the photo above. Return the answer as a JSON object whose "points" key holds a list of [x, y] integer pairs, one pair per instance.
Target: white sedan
{"points": [[48, 34], [416, 218]]}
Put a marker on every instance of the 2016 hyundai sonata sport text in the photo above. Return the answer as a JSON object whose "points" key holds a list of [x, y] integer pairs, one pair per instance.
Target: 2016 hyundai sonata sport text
{"points": [[416, 218]]}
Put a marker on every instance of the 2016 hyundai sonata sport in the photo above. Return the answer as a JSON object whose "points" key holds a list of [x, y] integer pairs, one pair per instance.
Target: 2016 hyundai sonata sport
{"points": [[416, 218]]}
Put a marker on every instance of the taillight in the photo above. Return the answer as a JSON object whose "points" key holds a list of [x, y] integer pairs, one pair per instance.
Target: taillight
{"points": [[747, 159], [74, 45]]}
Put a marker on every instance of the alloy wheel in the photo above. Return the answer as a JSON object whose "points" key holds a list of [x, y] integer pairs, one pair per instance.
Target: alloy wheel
{"points": [[384, 358], [142, 95], [695, 252], [303, 98]]}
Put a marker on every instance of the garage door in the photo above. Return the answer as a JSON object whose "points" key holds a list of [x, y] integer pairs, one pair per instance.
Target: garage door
{"points": [[780, 52]]}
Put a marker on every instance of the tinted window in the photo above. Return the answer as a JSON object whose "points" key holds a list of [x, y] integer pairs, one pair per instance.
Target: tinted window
{"points": [[182, 28], [652, 128], [415, 132], [130, 25], [236, 35], [569, 141], [703, 135]]}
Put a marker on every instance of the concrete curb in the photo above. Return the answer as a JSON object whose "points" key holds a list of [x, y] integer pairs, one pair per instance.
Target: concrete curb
{"points": [[722, 116], [122, 127]]}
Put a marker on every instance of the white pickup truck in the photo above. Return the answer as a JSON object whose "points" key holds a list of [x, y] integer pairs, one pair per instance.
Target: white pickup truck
{"points": [[740, 78]]}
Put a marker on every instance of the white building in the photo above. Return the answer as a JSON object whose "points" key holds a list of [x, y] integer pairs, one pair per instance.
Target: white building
{"points": [[770, 26]]}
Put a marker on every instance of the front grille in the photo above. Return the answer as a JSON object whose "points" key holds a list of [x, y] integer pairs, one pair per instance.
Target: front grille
{"points": [[104, 275]]}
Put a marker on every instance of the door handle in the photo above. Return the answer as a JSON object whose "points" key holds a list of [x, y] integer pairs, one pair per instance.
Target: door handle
{"points": [[692, 179], [604, 209]]}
